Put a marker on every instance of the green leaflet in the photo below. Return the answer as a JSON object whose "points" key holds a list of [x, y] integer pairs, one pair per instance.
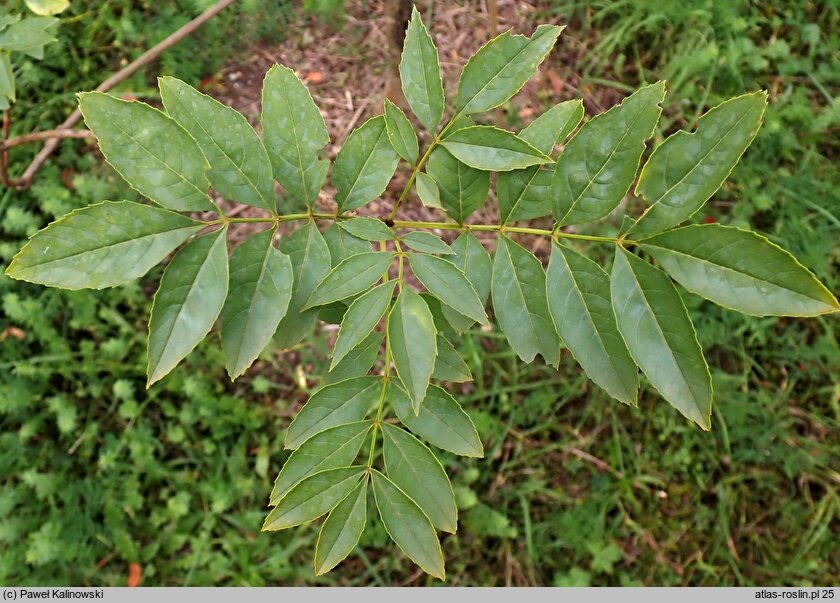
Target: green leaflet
{"points": [[261, 279], [655, 325], [359, 360], [426, 242], [519, 301], [462, 189], [364, 165], [401, 133], [449, 366], [441, 422], [295, 133], [427, 190], [473, 260], [7, 81], [361, 318], [28, 35], [686, 170], [369, 229], [190, 297], [239, 165], [408, 526], [492, 149], [412, 336], [332, 313], [150, 150], [420, 74], [335, 404], [310, 258], [599, 163], [525, 194], [352, 276], [741, 270], [418, 473], [500, 68], [313, 497], [329, 449], [342, 529], [47, 7], [578, 292], [342, 244], [446, 282], [553, 125], [101, 245]]}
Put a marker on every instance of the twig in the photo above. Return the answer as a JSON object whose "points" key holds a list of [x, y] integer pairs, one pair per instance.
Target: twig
{"points": [[144, 59], [44, 135]]}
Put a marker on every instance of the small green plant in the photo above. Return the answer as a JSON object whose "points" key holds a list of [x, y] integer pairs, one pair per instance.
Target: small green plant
{"points": [[360, 434], [27, 35]]}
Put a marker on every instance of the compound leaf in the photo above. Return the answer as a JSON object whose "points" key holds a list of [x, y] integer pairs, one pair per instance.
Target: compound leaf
{"points": [[101, 245], [655, 325], [313, 497], [408, 526], [342, 529], [361, 318], [190, 297], [401, 133], [261, 279], [150, 150], [334, 404], [418, 473], [310, 258], [578, 293], [420, 74], [426, 242], [364, 165], [446, 282], [412, 336], [329, 449], [441, 421], [519, 300], [599, 163], [239, 165], [741, 270], [352, 276], [500, 68], [492, 149], [462, 189], [686, 170], [295, 133]]}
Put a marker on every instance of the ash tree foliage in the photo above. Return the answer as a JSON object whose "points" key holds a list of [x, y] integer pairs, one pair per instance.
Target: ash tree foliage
{"points": [[365, 443]]}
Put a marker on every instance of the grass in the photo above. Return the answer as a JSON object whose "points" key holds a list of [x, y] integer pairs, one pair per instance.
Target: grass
{"points": [[575, 489]]}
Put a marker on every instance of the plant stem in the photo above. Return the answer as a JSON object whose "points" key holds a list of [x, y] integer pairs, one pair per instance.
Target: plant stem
{"points": [[542, 232]]}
